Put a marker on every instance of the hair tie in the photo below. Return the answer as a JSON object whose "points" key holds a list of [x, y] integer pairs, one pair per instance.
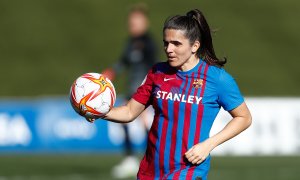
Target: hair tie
{"points": [[189, 15], [192, 16]]}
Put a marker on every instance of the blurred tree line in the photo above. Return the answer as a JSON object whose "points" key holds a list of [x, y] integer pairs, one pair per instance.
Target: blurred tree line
{"points": [[46, 44]]}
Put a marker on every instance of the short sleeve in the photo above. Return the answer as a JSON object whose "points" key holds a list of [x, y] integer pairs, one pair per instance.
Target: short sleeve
{"points": [[229, 95], [143, 93]]}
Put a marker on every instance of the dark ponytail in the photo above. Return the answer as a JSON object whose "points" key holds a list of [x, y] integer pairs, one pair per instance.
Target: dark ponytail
{"points": [[196, 28]]}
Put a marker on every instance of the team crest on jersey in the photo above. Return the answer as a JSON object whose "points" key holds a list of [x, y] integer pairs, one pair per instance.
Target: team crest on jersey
{"points": [[198, 83]]}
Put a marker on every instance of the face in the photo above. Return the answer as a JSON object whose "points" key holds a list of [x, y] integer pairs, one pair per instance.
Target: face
{"points": [[137, 23], [179, 50]]}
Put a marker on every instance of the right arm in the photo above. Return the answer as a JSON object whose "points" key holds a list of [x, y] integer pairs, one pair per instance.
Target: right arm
{"points": [[124, 114], [130, 111]]}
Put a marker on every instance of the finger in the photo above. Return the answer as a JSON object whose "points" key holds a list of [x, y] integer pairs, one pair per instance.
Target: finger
{"points": [[193, 158], [91, 120], [189, 151], [189, 155], [200, 160], [194, 161]]}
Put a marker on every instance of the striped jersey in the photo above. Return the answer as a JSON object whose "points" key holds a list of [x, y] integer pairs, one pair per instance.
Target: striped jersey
{"points": [[186, 105]]}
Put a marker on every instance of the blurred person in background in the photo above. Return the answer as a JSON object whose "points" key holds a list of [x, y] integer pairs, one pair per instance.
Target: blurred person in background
{"points": [[187, 92], [139, 55]]}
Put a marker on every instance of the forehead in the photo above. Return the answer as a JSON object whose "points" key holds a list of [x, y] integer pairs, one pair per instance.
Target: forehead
{"points": [[174, 35]]}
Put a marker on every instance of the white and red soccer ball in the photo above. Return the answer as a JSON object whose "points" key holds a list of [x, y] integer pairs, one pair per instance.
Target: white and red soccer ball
{"points": [[92, 95]]}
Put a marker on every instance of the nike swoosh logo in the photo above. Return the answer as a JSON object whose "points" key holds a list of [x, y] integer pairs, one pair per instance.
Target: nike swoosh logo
{"points": [[168, 79]]}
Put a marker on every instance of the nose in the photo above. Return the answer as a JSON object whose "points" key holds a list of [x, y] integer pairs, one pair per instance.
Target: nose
{"points": [[169, 48]]}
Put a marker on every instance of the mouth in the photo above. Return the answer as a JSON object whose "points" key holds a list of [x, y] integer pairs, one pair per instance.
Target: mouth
{"points": [[171, 58]]}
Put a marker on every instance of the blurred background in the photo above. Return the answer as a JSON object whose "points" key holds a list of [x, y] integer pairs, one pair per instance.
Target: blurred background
{"points": [[46, 44]]}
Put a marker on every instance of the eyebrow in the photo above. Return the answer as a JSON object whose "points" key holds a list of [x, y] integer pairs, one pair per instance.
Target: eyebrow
{"points": [[172, 42]]}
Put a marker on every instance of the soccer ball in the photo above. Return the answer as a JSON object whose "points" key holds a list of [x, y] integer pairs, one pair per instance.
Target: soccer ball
{"points": [[92, 95]]}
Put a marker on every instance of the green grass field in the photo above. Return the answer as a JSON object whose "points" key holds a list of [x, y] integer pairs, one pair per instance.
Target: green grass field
{"points": [[98, 166]]}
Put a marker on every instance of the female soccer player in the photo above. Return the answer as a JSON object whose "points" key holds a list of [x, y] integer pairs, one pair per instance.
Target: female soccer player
{"points": [[186, 92]]}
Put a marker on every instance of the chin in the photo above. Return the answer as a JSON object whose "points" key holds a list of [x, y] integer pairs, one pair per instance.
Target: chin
{"points": [[173, 64]]}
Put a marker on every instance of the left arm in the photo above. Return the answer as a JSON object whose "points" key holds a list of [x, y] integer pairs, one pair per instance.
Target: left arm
{"points": [[241, 120]]}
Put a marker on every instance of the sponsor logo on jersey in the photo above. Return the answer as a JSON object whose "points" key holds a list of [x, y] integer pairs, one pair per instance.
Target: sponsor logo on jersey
{"points": [[178, 97]]}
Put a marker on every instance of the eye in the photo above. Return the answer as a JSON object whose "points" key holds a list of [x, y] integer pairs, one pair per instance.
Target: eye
{"points": [[165, 43], [176, 43]]}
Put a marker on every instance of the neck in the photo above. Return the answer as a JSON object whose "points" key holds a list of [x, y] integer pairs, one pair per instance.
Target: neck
{"points": [[189, 64]]}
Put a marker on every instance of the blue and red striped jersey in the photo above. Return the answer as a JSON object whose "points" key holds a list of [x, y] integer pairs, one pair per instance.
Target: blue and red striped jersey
{"points": [[186, 105]]}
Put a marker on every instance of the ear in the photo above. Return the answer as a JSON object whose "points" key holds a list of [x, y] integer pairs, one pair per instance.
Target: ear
{"points": [[195, 46]]}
